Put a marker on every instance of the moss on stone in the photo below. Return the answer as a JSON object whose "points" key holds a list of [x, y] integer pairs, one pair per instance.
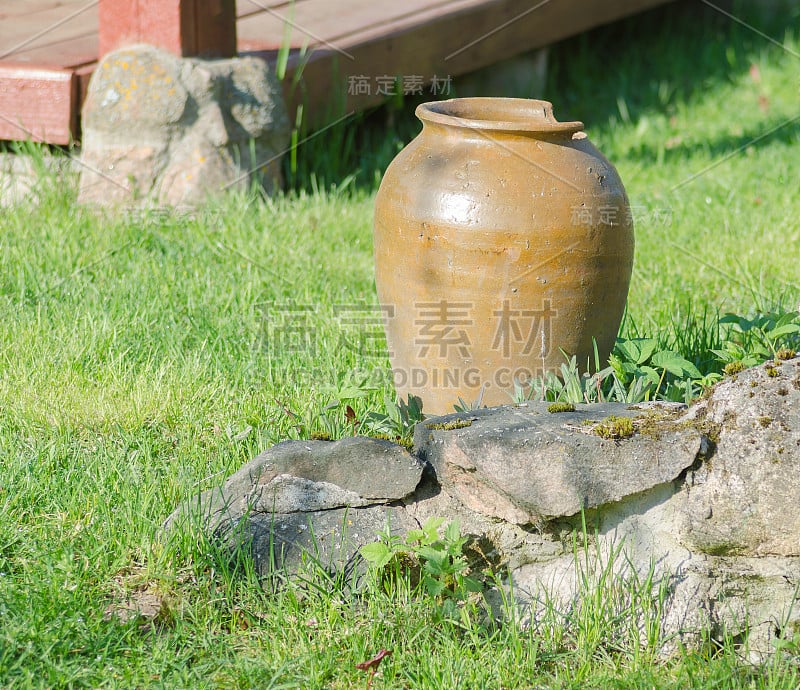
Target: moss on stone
{"points": [[614, 427], [733, 368], [450, 426], [560, 407]]}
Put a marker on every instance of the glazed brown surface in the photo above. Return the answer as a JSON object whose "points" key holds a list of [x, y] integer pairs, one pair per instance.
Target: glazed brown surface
{"points": [[501, 238]]}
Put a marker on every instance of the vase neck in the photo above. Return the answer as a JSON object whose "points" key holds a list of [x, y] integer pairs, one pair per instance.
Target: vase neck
{"points": [[487, 115]]}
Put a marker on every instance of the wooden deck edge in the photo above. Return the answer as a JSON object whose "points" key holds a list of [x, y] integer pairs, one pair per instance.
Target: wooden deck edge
{"points": [[43, 102], [500, 30], [39, 103]]}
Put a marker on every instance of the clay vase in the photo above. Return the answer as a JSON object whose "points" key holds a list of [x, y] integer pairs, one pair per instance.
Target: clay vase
{"points": [[503, 239]]}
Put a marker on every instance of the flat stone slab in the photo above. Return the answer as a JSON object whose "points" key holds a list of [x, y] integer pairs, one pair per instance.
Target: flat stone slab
{"points": [[307, 476], [524, 464], [304, 502]]}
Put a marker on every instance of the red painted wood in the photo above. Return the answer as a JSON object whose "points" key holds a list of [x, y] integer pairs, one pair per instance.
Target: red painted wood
{"points": [[38, 103], [184, 27]]}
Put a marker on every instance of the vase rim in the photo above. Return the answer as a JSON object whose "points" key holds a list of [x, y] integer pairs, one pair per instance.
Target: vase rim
{"points": [[496, 114]]}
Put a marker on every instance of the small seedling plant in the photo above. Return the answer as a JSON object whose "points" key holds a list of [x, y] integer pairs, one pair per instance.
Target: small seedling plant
{"points": [[637, 372], [658, 374], [398, 419], [773, 335], [431, 558]]}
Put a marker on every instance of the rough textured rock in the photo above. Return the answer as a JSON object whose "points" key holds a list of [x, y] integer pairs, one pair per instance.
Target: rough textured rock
{"points": [[327, 538], [524, 464], [158, 129], [745, 500], [308, 476], [701, 503], [753, 600], [722, 539], [309, 499]]}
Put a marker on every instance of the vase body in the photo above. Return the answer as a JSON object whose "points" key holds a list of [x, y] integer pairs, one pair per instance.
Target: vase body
{"points": [[502, 238]]}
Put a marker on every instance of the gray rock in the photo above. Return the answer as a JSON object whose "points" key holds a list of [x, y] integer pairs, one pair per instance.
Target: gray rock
{"points": [[699, 505], [305, 501], [158, 129], [309, 476], [494, 543], [635, 541], [744, 500], [721, 542], [329, 539], [524, 464]]}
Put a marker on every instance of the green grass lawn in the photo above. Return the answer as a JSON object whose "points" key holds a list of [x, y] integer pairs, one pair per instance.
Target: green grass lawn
{"points": [[143, 358]]}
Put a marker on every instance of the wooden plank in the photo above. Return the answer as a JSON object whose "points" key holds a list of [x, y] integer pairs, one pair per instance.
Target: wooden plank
{"points": [[347, 39], [211, 28], [38, 103], [46, 27], [70, 52], [247, 8], [184, 27], [316, 22], [20, 8], [447, 45]]}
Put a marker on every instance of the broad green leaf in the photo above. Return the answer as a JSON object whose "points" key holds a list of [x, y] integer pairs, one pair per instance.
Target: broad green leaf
{"points": [[647, 346], [627, 349], [414, 535], [432, 525], [433, 586], [452, 532], [471, 584], [651, 374], [433, 560], [377, 553], [675, 364], [780, 331], [740, 321], [788, 317]]}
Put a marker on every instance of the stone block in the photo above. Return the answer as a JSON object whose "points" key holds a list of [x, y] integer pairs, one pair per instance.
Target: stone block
{"points": [[166, 131]]}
